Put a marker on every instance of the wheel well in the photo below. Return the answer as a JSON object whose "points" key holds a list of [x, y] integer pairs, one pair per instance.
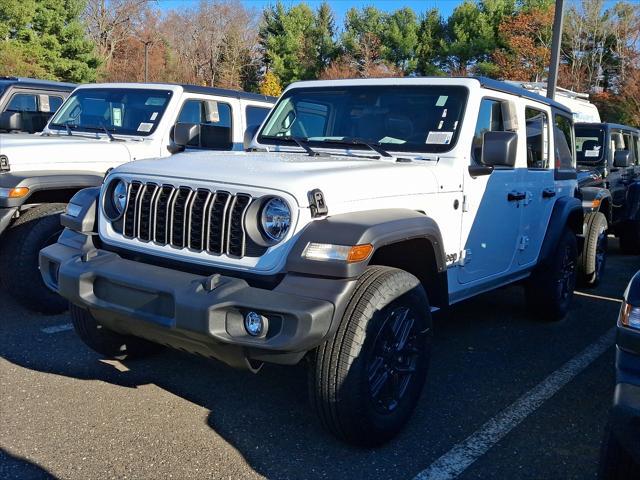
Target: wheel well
{"points": [[52, 196], [418, 257], [605, 208], [575, 221]]}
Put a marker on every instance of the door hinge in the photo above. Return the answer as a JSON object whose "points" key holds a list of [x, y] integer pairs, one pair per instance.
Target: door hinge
{"points": [[317, 204], [465, 257], [524, 242], [465, 204]]}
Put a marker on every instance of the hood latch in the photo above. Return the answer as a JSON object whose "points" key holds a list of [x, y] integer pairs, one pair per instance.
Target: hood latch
{"points": [[317, 204]]}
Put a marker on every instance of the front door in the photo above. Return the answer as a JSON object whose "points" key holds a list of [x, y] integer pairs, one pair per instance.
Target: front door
{"points": [[492, 210]]}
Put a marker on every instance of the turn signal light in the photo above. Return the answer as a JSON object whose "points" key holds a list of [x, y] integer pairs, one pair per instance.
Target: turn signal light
{"points": [[342, 253], [17, 192], [358, 253]]}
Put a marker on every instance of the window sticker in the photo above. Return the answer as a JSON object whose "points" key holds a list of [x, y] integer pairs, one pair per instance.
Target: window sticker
{"points": [[440, 138], [145, 127], [442, 100], [444, 113], [440, 124], [154, 115], [116, 116], [391, 140], [155, 101], [591, 153]]}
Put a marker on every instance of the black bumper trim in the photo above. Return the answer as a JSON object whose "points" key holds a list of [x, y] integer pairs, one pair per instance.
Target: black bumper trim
{"points": [[174, 308]]}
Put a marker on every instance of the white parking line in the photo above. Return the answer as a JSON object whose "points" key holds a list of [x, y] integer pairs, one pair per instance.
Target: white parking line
{"points": [[57, 328], [599, 297], [462, 455]]}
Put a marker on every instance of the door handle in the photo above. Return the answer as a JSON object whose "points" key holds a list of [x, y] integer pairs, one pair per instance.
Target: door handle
{"points": [[516, 196], [548, 193]]}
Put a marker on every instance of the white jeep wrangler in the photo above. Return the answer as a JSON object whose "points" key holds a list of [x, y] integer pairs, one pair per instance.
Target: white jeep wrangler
{"points": [[97, 128], [362, 207]]}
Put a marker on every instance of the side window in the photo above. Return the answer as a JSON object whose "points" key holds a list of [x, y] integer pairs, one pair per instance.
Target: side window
{"points": [[563, 140], [215, 121], [23, 102], [628, 144], [54, 103], [537, 138], [490, 119], [206, 112], [255, 115], [637, 138]]}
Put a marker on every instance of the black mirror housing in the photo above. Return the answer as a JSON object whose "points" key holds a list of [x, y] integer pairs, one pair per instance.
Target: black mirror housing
{"points": [[11, 121], [249, 133], [622, 159], [499, 149]]}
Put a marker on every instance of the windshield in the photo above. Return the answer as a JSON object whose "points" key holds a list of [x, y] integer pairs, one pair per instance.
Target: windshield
{"points": [[589, 145], [423, 118], [119, 110]]}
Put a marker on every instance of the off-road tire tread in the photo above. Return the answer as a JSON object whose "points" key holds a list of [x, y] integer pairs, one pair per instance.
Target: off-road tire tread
{"points": [[17, 273], [332, 362], [587, 274]]}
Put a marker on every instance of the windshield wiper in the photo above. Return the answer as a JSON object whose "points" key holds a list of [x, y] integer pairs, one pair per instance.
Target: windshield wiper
{"points": [[68, 129], [359, 142], [109, 134], [302, 142]]}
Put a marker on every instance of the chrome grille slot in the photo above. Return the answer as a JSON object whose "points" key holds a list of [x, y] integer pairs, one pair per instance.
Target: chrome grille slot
{"points": [[145, 214], [180, 216], [201, 220], [198, 219], [217, 222], [161, 220], [131, 210], [236, 235]]}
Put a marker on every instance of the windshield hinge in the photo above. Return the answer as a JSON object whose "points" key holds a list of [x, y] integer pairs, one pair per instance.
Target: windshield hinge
{"points": [[317, 204]]}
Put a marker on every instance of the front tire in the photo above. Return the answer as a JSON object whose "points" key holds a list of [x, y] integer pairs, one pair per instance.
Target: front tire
{"points": [[35, 229], [366, 380], [549, 290], [593, 258], [107, 342]]}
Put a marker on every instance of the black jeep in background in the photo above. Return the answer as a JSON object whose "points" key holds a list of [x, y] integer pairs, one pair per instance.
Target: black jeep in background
{"points": [[608, 158], [27, 104]]}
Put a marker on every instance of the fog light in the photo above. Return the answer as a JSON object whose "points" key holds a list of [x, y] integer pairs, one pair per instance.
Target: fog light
{"points": [[254, 324]]}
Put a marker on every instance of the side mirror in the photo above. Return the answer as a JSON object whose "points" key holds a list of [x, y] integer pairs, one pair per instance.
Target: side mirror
{"points": [[215, 138], [185, 134], [499, 149], [622, 159], [10, 121], [249, 133]]}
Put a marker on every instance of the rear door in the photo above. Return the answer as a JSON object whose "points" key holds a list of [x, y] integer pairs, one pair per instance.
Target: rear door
{"points": [[539, 183]]}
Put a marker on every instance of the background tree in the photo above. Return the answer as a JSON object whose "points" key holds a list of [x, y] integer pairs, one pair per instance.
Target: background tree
{"points": [[428, 48], [45, 38]]}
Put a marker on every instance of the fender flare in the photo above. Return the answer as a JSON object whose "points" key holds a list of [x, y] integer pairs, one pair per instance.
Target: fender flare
{"points": [[86, 220], [376, 227], [567, 211], [47, 180], [596, 194]]}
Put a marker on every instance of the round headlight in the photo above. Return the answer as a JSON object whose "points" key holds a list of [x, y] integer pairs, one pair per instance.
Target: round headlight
{"points": [[115, 199], [119, 196], [276, 219]]}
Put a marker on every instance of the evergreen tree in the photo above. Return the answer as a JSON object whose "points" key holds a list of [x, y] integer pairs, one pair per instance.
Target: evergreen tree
{"points": [[45, 38], [429, 51]]}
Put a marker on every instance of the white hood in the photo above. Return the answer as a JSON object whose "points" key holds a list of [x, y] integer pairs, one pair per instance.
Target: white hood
{"points": [[62, 153], [339, 177]]}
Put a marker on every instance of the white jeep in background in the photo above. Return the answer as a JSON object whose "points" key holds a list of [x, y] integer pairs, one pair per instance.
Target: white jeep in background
{"points": [[362, 207], [99, 127]]}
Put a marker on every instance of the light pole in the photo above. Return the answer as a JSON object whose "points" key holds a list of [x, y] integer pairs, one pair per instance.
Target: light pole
{"points": [[556, 43]]}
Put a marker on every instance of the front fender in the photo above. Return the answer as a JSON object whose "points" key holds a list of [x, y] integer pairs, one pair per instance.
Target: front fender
{"points": [[593, 198], [567, 212], [42, 181], [375, 227]]}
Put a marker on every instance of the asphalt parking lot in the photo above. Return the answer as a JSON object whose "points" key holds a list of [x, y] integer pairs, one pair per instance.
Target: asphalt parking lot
{"points": [[508, 396]]}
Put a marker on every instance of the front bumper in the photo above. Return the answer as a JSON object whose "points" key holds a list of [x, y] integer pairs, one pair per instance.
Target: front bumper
{"points": [[181, 309]]}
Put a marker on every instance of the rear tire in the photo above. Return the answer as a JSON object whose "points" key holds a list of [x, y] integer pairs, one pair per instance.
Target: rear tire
{"points": [[366, 380], [615, 462], [549, 290], [592, 260], [35, 229], [630, 238], [107, 342]]}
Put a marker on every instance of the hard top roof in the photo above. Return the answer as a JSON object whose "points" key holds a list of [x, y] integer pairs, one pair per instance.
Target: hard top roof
{"points": [[221, 92], [488, 83], [608, 126], [37, 83]]}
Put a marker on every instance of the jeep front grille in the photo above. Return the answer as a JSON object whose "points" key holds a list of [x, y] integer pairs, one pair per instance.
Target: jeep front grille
{"points": [[200, 220]]}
